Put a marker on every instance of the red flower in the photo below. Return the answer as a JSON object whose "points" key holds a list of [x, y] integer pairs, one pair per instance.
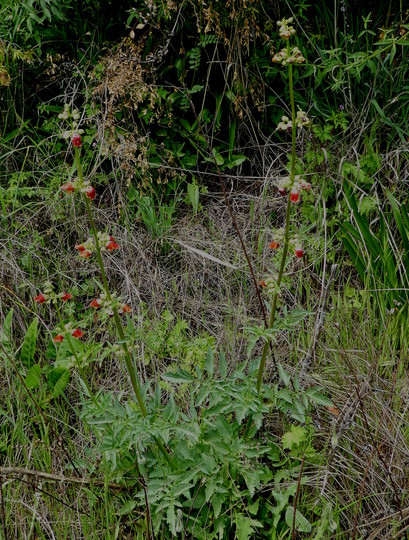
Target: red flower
{"points": [[274, 245], [90, 193], [58, 338], [76, 141], [79, 247], [124, 309], [40, 298], [282, 191], [68, 187], [299, 252], [111, 245], [66, 296], [85, 253], [95, 303], [262, 283], [77, 333], [294, 196]]}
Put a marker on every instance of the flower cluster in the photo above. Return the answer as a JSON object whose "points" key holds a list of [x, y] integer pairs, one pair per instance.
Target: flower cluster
{"points": [[296, 244], [270, 285], [75, 133], [82, 186], [288, 56], [106, 243], [67, 329], [286, 124], [49, 296], [278, 239], [284, 185], [107, 306], [285, 29]]}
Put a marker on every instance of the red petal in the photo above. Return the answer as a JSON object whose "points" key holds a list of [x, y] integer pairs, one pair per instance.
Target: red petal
{"points": [[79, 247], [85, 253], [66, 296], [294, 196], [112, 245], [77, 141], [58, 338], [68, 187], [77, 333], [90, 193], [95, 303], [40, 298]]}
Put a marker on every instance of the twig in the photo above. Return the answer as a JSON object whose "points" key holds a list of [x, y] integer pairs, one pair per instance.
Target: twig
{"points": [[51, 477]]}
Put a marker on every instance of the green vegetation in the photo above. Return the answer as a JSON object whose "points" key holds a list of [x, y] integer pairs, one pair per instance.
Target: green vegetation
{"points": [[204, 229]]}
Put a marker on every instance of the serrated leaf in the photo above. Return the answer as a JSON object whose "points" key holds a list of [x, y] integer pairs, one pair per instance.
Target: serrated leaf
{"points": [[33, 377], [29, 344], [217, 502], [301, 523], [126, 508], [294, 437], [244, 526]]}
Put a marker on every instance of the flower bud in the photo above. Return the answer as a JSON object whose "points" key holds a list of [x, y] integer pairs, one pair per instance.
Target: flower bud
{"points": [[294, 196], [76, 140], [40, 298], [90, 193], [68, 187]]}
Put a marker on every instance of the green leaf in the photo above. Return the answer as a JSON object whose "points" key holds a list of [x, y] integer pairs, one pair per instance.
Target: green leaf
{"points": [[236, 161], [301, 523], [126, 508], [5, 334], [222, 364], [181, 376], [244, 526], [58, 379], [294, 437], [33, 377], [283, 375], [217, 501], [317, 397], [209, 363], [29, 344]]}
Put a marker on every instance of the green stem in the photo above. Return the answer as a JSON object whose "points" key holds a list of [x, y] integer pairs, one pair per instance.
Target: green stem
{"points": [[286, 234], [127, 357]]}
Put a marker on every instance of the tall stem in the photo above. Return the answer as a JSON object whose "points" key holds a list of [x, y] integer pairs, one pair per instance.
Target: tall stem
{"points": [[286, 235]]}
